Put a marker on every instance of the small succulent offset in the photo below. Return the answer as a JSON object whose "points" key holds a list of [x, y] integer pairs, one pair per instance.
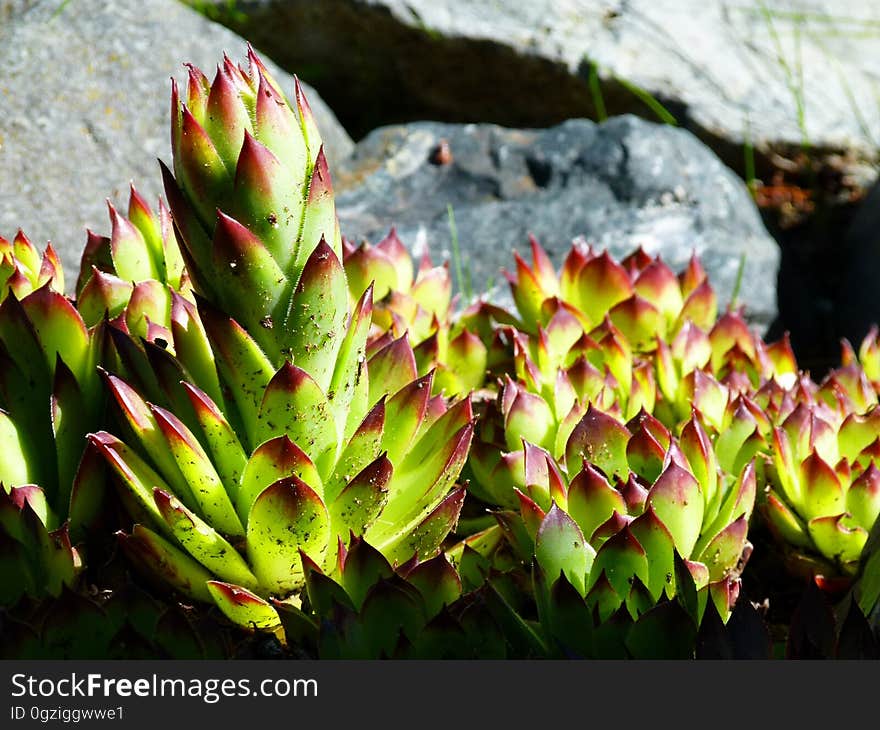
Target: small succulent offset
{"points": [[290, 437], [131, 276]]}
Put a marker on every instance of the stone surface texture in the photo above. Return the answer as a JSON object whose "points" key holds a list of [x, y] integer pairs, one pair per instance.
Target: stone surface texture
{"points": [[775, 73], [620, 184]]}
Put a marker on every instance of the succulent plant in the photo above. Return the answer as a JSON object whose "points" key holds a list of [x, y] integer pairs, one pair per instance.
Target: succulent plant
{"points": [[417, 304], [129, 276], [223, 521], [824, 492], [50, 396], [284, 437], [631, 498], [23, 269]]}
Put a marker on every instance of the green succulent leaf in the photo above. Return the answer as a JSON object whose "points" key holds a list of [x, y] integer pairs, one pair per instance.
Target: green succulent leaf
{"points": [[362, 500], [560, 547], [601, 440], [592, 500], [364, 567], [392, 368], [205, 484], [295, 405], [272, 460], [424, 538], [836, 539], [790, 528], [287, 517], [243, 607], [203, 542], [723, 552], [621, 558], [226, 451], [316, 321], [679, 505], [438, 582], [659, 547], [156, 555]]}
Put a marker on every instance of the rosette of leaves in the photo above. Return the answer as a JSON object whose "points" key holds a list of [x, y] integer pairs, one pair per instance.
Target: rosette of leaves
{"points": [[229, 504], [50, 397], [614, 523], [417, 304], [559, 375], [23, 269], [669, 321], [823, 496], [129, 277]]}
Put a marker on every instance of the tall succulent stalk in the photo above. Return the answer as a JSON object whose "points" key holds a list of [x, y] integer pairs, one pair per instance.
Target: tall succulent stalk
{"points": [[288, 436]]}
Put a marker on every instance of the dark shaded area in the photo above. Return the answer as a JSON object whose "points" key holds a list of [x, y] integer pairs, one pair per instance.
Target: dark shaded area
{"points": [[818, 303]]}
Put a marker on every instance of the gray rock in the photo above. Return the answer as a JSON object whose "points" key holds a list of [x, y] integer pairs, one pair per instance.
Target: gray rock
{"points": [[620, 184], [85, 95], [803, 71]]}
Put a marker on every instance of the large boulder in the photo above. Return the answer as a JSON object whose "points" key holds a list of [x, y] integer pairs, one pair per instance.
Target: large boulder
{"points": [[777, 73], [85, 98], [621, 184]]}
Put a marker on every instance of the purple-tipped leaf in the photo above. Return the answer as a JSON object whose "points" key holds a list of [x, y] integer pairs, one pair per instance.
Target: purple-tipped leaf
{"points": [[678, 502], [287, 517], [601, 440], [243, 607], [272, 461], [621, 558], [560, 548]]}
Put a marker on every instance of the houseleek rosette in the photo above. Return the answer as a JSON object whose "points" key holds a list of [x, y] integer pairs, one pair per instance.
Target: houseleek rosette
{"points": [[633, 498], [23, 269], [224, 521], [824, 492]]}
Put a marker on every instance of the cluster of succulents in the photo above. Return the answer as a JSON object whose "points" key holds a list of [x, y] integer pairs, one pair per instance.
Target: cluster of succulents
{"points": [[311, 439]]}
